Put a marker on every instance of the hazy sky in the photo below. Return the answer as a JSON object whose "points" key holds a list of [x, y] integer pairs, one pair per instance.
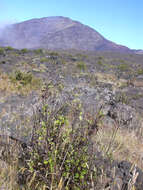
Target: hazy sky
{"points": [[120, 21]]}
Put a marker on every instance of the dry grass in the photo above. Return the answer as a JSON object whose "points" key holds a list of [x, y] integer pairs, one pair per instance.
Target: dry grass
{"points": [[138, 83], [125, 146], [8, 163], [8, 87], [8, 174], [111, 79], [5, 84]]}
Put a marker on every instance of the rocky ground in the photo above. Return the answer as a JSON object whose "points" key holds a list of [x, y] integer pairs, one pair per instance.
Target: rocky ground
{"points": [[107, 83]]}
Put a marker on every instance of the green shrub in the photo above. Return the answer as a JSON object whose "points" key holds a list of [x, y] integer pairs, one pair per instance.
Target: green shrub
{"points": [[24, 50], [61, 156], [9, 48], [123, 67], [99, 62], [81, 65], [1, 51], [44, 60], [100, 57], [54, 54], [122, 97], [140, 72], [38, 51], [22, 77]]}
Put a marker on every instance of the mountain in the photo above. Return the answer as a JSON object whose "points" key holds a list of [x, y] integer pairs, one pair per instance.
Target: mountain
{"points": [[56, 33], [138, 51]]}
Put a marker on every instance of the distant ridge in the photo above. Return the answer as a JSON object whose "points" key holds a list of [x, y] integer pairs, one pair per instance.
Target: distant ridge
{"points": [[56, 33]]}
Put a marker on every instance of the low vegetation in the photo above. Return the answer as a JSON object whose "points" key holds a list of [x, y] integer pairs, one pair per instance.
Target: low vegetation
{"points": [[24, 51], [74, 144], [19, 82], [81, 65], [1, 51]]}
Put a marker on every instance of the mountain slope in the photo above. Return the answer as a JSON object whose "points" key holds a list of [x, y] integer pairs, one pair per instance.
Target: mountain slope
{"points": [[56, 33]]}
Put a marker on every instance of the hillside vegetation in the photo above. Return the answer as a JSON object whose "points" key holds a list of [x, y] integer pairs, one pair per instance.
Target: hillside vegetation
{"points": [[70, 120]]}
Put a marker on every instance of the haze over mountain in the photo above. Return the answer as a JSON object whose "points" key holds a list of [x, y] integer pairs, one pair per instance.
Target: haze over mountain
{"points": [[56, 33]]}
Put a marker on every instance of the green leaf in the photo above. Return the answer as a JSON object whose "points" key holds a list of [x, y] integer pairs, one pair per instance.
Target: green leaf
{"points": [[77, 175], [45, 162]]}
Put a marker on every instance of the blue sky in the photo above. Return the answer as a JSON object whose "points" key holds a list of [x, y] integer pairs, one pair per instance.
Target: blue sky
{"points": [[120, 21]]}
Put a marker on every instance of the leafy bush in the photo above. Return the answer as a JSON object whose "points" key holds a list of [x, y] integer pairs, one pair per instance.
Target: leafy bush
{"points": [[61, 155]]}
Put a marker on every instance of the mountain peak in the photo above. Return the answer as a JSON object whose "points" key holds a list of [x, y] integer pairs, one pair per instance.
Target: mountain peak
{"points": [[56, 32]]}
